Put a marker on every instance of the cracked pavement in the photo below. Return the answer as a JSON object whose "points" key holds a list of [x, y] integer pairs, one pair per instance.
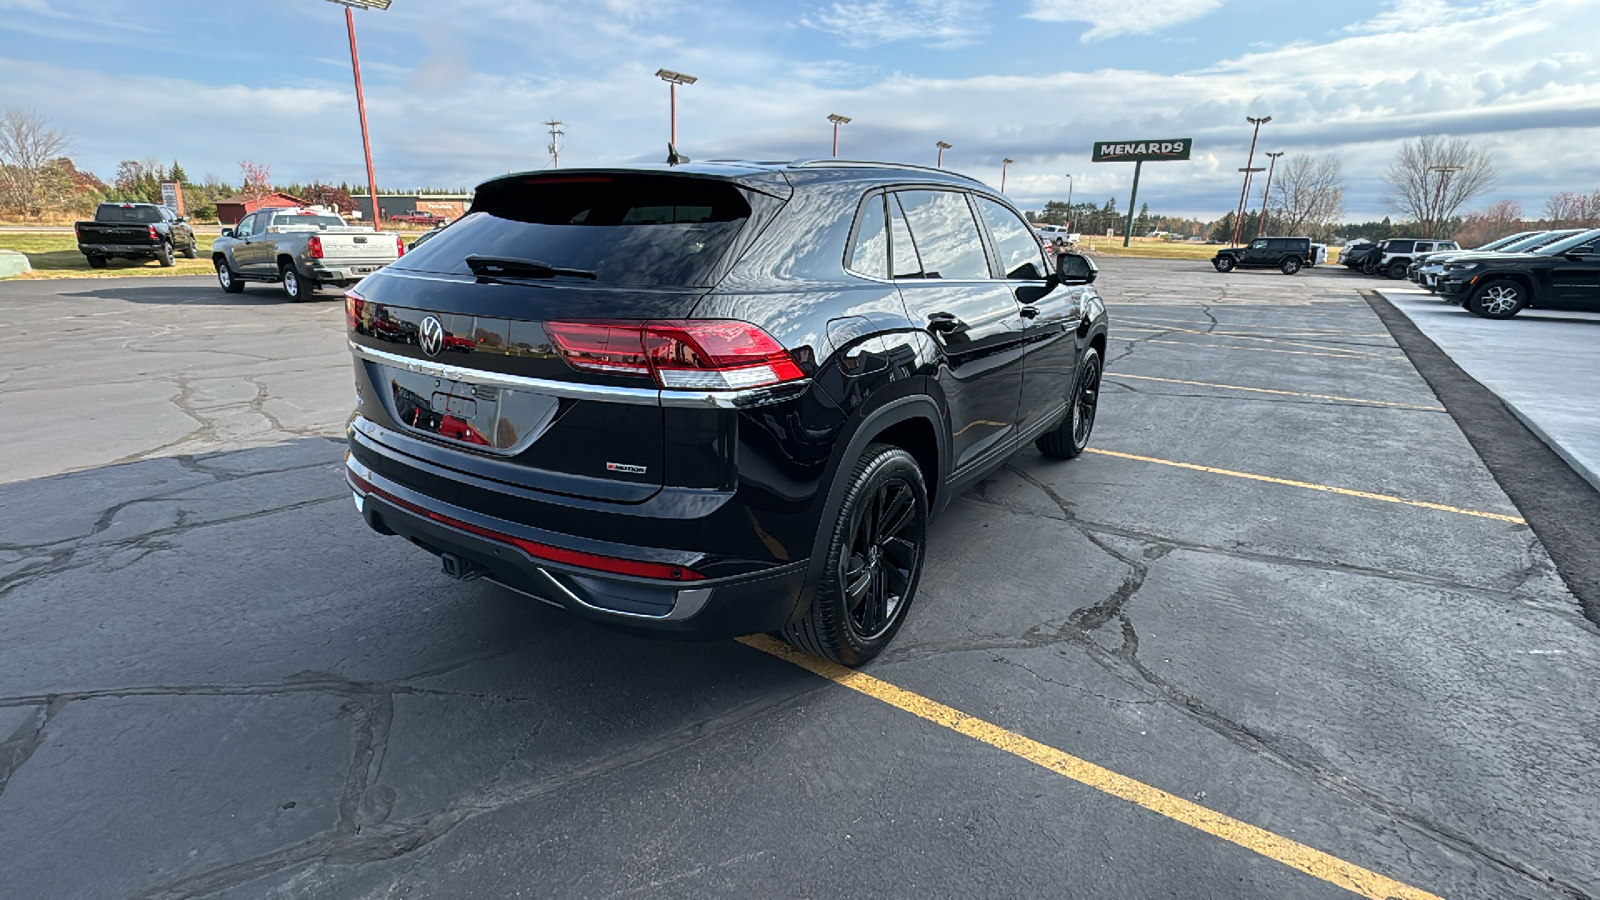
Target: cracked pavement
{"points": [[216, 682]]}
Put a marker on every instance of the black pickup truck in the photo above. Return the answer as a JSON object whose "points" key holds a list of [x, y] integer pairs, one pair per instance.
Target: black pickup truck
{"points": [[135, 231], [1562, 275]]}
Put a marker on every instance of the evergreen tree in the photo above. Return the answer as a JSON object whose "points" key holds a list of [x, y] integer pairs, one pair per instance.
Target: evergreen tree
{"points": [[177, 174]]}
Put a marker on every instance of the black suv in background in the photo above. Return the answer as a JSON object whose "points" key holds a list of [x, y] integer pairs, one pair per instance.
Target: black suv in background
{"points": [[1286, 254], [715, 399], [1562, 275]]}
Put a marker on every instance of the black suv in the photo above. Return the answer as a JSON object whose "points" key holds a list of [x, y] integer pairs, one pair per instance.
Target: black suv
{"points": [[1562, 275], [1286, 254], [714, 399]]}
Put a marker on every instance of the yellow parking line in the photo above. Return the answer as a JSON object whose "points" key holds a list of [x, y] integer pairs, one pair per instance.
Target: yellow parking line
{"points": [[1365, 495], [1293, 854], [1235, 387]]}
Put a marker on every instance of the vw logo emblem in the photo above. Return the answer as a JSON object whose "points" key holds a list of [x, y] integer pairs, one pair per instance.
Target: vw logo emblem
{"points": [[432, 340]]}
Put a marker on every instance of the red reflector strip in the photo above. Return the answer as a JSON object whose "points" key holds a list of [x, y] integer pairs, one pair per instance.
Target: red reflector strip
{"points": [[546, 552]]}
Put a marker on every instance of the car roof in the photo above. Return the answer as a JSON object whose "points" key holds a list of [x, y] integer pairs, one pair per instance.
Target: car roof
{"points": [[777, 177]]}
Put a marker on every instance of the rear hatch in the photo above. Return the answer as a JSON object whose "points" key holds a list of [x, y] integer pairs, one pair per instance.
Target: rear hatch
{"points": [[457, 336]]}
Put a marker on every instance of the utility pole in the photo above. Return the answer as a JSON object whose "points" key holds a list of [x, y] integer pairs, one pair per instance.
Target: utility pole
{"points": [[1437, 206], [1004, 164], [1261, 223], [939, 163], [837, 120], [1238, 217], [1069, 204], [555, 149], [361, 103]]}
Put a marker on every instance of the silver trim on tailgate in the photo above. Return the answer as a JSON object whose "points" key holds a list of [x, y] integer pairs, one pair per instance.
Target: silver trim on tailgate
{"points": [[639, 396]]}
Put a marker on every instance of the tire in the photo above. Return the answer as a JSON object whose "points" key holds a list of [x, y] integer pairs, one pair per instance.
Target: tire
{"points": [[874, 559], [98, 262], [192, 251], [1071, 437], [1369, 266], [298, 288], [164, 256], [227, 279], [1396, 271], [1223, 263], [1500, 298], [1289, 266]]}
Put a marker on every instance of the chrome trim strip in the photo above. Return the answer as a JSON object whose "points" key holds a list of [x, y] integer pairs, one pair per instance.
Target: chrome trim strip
{"points": [[687, 603], [638, 396]]}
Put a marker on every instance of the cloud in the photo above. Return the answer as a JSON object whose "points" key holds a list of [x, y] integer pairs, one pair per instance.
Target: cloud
{"points": [[936, 23], [1112, 19]]}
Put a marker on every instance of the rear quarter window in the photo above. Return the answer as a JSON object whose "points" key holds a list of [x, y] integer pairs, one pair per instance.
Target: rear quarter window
{"points": [[645, 230]]}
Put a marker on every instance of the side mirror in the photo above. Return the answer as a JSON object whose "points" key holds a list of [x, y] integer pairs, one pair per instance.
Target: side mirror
{"points": [[183, 218], [227, 232], [1075, 268]]}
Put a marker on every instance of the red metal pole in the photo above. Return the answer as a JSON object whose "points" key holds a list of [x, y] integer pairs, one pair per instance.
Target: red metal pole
{"points": [[939, 163], [361, 106], [1003, 177], [836, 139], [673, 90], [1262, 222], [1238, 217]]}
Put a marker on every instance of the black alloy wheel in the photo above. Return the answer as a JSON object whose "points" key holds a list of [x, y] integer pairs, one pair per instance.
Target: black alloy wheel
{"points": [[1223, 263], [164, 255], [1289, 266], [874, 561], [1071, 438]]}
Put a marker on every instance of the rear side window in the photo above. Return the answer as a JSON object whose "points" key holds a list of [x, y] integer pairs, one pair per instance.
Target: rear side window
{"points": [[646, 230], [1400, 246], [870, 255], [1020, 255], [945, 234], [308, 222], [143, 215]]}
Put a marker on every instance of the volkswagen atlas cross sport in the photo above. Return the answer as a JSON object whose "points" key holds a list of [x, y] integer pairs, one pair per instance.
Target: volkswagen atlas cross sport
{"points": [[714, 399]]}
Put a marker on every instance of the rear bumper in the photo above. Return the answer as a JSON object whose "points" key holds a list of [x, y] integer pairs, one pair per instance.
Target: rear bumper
{"points": [[119, 249], [343, 271], [700, 608]]}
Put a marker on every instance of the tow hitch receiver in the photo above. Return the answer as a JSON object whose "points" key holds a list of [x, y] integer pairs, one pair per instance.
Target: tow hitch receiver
{"points": [[456, 567]]}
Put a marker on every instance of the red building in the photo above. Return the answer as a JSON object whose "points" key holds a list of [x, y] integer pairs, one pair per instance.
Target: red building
{"points": [[231, 210]]}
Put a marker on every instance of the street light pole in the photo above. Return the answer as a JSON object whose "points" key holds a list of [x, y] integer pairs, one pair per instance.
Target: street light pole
{"points": [[1004, 163], [1436, 207], [939, 163], [837, 120], [361, 103], [1261, 223], [673, 79], [1238, 217]]}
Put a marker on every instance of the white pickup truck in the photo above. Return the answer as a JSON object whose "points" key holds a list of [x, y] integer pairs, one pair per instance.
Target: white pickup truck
{"points": [[301, 249]]}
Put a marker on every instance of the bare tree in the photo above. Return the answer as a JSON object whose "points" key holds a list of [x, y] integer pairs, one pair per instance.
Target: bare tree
{"points": [[1433, 176], [1569, 210], [1307, 195], [28, 145], [1490, 223]]}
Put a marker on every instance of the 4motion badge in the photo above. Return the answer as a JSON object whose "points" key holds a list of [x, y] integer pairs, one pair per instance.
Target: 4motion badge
{"points": [[629, 468]]}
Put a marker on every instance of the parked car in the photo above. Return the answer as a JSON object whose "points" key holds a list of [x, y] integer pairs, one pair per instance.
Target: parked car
{"points": [[1562, 275], [135, 231], [1427, 272], [301, 249], [716, 398], [1354, 254], [420, 217], [1286, 254], [1394, 255]]}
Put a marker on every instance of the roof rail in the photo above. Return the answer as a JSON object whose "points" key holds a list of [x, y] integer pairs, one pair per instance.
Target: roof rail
{"points": [[830, 162]]}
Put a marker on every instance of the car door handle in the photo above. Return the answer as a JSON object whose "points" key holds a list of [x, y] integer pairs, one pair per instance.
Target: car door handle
{"points": [[945, 322], [1029, 312]]}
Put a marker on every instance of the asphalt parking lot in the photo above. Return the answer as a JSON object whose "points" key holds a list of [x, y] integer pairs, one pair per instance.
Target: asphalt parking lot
{"points": [[1282, 634]]}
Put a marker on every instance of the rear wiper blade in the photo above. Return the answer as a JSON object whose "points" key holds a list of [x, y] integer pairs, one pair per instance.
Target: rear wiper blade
{"points": [[522, 268]]}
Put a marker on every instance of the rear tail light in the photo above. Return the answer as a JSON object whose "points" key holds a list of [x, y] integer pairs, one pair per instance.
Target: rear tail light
{"points": [[680, 354], [153, 235], [354, 306], [399, 247], [314, 247]]}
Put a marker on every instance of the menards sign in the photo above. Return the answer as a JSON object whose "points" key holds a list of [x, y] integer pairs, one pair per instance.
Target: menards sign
{"points": [[1139, 151]]}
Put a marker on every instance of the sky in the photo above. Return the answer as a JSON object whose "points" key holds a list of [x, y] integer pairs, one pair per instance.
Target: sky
{"points": [[457, 90]]}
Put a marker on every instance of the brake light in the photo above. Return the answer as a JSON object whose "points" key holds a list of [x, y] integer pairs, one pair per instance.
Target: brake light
{"points": [[153, 235], [354, 306], [314, 247], [399, 247], [680, 354], [536, 550]]}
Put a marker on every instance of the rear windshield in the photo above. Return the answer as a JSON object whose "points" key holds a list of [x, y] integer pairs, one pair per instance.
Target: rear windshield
{"points": [[307, 222], [647, 230], [140, 214]]}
